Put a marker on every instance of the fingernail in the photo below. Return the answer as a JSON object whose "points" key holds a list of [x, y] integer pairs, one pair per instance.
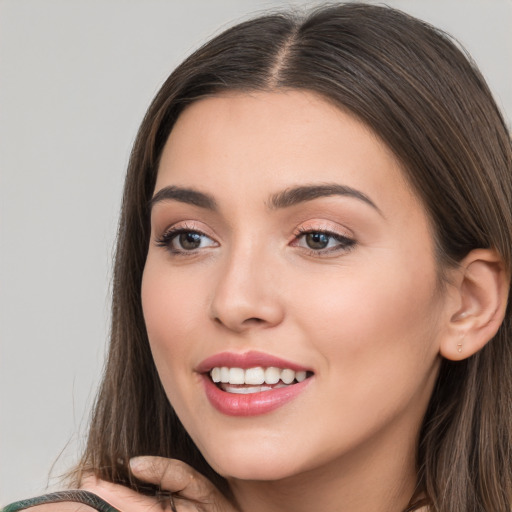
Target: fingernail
{"points": [[137, 464]]}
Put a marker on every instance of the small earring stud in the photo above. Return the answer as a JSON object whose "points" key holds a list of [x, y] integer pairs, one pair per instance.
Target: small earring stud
{"points": [[459, 345]]}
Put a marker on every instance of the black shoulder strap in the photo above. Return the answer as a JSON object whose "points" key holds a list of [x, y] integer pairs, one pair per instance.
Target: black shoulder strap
{"points": [[85, 497]]}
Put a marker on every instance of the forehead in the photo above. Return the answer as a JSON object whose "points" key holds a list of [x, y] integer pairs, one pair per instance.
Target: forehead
{"points": [[250, 145]]}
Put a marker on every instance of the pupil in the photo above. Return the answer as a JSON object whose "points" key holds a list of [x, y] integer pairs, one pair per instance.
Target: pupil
{"points": [[317, 240], [190, 241]]}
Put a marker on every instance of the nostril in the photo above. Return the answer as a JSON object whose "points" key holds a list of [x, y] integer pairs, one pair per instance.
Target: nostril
{"points": [[254, 320], [245, 323]]}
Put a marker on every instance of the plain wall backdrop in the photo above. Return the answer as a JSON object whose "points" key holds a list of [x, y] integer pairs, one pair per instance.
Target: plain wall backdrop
{"points": [[75, 79]]}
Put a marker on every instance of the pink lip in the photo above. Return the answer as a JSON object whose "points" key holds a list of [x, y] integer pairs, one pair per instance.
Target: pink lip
{"points": [[252, 404], [246, 360], [233, 404]]}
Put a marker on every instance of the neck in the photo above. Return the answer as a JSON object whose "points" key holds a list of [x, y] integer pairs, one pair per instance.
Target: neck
{"points": [[381, 477]]}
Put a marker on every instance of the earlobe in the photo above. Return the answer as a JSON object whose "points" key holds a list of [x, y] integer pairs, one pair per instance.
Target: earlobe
{"points": [[482, 286]]}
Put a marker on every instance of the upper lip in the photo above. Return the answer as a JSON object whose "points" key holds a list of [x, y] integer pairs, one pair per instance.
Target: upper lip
{"points": [[246, 360]]}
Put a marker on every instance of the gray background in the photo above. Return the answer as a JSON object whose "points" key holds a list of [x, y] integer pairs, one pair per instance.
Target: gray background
{"points": [[75, 79]]}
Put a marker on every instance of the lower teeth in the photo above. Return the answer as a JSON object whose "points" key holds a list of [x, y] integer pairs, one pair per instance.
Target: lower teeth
{"points": [[246, 390]]}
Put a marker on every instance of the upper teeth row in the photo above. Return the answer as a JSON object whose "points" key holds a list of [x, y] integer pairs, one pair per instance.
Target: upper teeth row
{"points": [[255, 376]]}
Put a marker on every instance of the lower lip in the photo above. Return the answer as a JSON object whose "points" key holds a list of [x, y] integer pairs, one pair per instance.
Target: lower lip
{"points": [[234, 404]]}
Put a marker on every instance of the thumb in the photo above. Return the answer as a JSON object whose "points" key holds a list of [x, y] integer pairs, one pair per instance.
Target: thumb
{"points": [[178, 477]]}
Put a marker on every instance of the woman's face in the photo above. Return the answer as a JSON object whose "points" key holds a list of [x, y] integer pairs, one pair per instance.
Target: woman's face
{"points": [[284, 236]]}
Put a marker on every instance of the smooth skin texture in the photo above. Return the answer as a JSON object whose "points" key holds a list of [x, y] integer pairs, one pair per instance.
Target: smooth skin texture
{"points": [[367, 313]]}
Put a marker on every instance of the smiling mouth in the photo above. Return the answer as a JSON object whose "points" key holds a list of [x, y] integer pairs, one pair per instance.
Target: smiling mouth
{"points": [[255, 380]]}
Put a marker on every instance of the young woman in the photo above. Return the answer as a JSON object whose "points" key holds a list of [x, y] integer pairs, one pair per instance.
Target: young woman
{"points": [[313, 266]]}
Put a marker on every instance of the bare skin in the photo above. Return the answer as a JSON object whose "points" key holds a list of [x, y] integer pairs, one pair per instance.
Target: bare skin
{"points": [[365, 314], [192, 492]]}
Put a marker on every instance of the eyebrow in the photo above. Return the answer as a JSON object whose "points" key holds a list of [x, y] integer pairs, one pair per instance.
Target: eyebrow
{"points": [[297, 195], [184, 195], [285, 199]]}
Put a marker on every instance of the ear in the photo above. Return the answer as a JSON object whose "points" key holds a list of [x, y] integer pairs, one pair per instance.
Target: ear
{"points": [[479, 305]]}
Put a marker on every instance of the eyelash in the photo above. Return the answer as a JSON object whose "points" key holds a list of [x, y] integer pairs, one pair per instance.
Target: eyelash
{"points": [[344, 244], [167, 239]]}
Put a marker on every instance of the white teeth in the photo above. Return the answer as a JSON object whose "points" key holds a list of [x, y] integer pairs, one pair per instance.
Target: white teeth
{"points": [[300, 376], [256, 376], [272, 375], [215, 375], [287, 376], [224, 374], [246, 390], [236, 376]]}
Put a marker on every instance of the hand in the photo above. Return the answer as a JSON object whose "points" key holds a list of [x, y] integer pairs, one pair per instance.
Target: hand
{"points": [[123, 498], [193, 491]]}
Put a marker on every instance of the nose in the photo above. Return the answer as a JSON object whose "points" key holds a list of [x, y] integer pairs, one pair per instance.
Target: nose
{"points": [[247, 295]]}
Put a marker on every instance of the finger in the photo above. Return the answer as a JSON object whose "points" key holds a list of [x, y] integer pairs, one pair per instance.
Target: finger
{"points": [[124, 498], [178, 477], [170, 474]]}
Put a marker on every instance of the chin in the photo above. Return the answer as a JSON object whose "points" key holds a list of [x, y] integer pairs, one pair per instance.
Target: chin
{"points": [[263, 465], [256, 472]]}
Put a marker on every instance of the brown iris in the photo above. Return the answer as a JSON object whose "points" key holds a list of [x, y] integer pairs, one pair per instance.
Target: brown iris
{"points": [[317, 240]]}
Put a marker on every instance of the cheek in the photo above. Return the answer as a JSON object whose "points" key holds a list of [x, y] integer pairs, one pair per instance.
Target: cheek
{"points": [[172, 299], [172, 307], [378, 317], [376, 333]]}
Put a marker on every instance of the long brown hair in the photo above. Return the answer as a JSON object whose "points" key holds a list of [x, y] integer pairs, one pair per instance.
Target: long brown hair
{"points": [[425, 98]]}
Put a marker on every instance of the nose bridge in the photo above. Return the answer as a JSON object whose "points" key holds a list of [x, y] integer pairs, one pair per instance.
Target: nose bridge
{"points": [[246, 293]]}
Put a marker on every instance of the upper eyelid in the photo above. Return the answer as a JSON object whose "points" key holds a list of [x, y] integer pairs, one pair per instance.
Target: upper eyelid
{"points": [[313, 225], [185, 225], [329, 231], [332, 234], [324, 226], [173, 231]]}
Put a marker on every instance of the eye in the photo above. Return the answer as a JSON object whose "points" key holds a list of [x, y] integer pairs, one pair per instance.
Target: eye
{"points": [[183, 240], [319, 242]]}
